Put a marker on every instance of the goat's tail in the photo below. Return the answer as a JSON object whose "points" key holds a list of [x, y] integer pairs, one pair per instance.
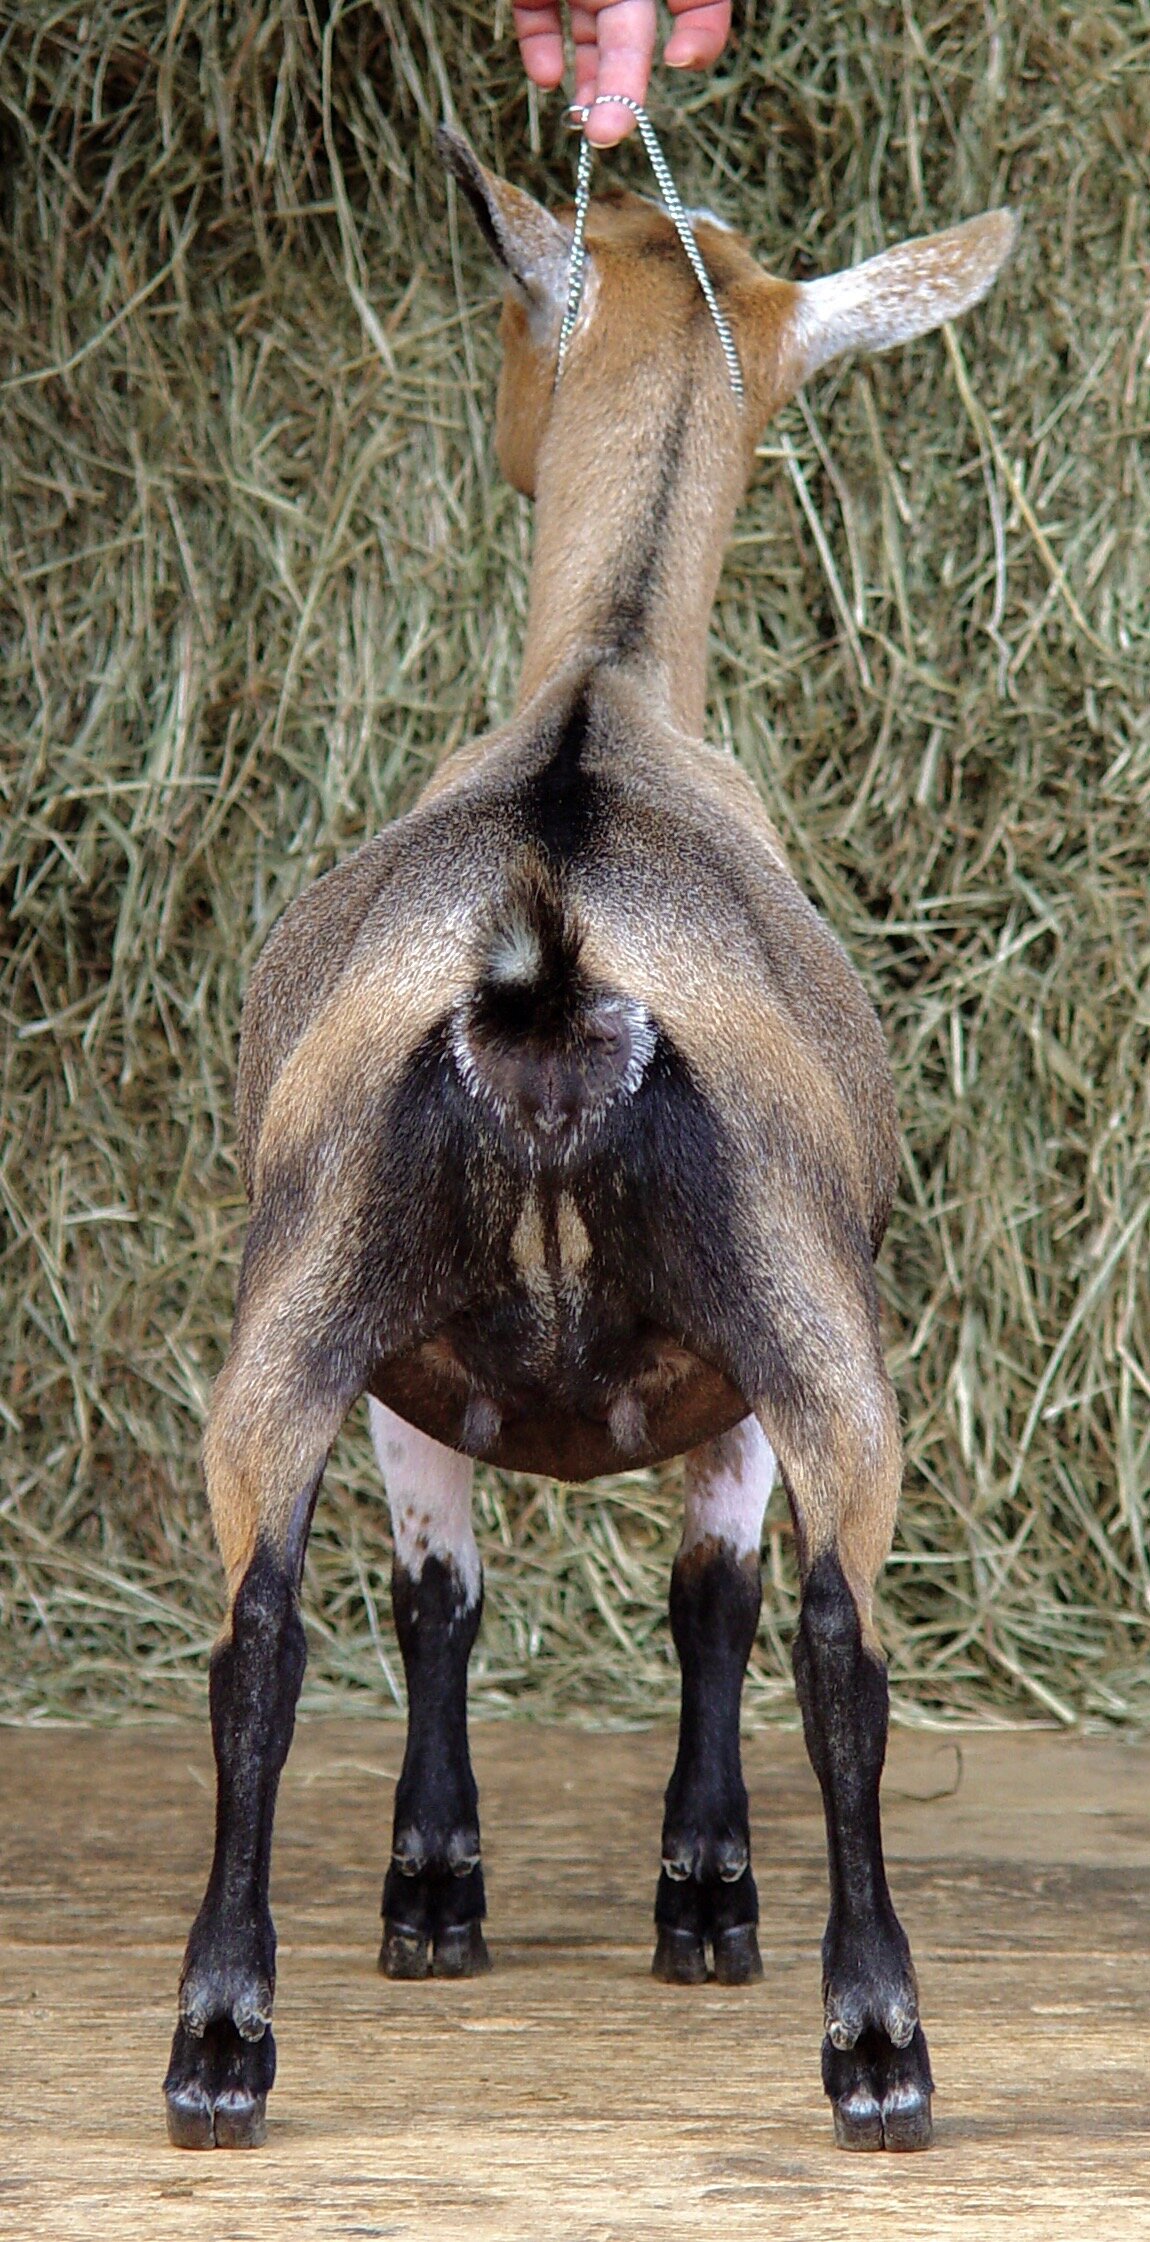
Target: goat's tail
{"points": [[536, 1039]]}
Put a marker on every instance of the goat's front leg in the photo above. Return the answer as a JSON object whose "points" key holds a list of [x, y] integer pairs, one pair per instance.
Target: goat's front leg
{"points": [[843, 1470], [433, 1896], [706, 1891], [268, 1437]]}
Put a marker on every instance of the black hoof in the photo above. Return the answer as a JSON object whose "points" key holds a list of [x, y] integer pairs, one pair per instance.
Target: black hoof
{"points": [[880, 2094], [737, 1957], [461, 1951], [712, 1910], [432, 1922], [403, 1953], [217, 2087], [680, 1957]]}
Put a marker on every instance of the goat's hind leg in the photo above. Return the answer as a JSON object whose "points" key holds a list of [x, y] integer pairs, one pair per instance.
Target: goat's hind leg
{"points": [[706, 1894], [268, 1438], [842, 1466], [433, 1896]]}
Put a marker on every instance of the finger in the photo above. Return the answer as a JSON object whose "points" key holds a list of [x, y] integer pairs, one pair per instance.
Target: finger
{"points": [[586, 55], [614, 49], [539, 31], [700, 34]]}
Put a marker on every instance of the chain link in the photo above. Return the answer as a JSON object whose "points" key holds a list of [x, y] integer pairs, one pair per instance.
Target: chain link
{"points": [[577, 263]]}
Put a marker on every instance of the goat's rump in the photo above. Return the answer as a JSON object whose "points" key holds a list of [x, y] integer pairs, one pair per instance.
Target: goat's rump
{"points": [[561, 1152]]}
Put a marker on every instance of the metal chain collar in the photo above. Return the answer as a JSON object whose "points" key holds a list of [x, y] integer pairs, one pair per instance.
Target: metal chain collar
{"points": [[577, 264]]}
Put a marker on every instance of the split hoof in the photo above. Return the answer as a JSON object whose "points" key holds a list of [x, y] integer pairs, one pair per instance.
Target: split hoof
{"points": [[681, 1956], [458, 1950], [699, 1912], [433, 1921], [241, 2121], [217, 2086], [880, 2094]]}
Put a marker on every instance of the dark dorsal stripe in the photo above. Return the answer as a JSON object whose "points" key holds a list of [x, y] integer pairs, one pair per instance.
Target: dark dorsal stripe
{"points": [[641, 571]]}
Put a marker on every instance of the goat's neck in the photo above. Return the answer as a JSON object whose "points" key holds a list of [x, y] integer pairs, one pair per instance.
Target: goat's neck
{"points": [[634, 503]]}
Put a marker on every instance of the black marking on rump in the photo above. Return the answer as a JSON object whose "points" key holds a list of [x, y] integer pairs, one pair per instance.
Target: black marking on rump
{"points": [[422, 1219], [656, 1182], [562, 801], [541, 994], [665, 1209], [416, 1239], [435, 1186]]}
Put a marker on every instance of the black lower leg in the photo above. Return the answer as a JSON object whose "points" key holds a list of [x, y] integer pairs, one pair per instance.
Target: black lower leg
{"points": [[706, 1890], [433, 1897], [223, 2055], [875, 2063]]}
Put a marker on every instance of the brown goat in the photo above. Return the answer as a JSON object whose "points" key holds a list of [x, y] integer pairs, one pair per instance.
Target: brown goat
{"points": [[570, 1139]]}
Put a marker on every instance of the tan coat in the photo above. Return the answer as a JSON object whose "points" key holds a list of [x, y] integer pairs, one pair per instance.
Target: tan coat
{"points": [[567, 1125]]}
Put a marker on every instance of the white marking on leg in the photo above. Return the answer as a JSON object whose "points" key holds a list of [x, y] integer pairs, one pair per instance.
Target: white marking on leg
{"points": [[429, 1496], [726, 1486]]}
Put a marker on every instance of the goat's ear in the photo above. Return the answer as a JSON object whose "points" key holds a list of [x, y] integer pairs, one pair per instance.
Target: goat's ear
{"points": [[902, 293], [531, 246]]}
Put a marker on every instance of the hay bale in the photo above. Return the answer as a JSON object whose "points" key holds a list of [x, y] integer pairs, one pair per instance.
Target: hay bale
{"points": [[265, 573]]}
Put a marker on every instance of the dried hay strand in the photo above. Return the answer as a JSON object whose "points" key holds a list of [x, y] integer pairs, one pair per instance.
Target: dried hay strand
{"points": [[262, 573]]}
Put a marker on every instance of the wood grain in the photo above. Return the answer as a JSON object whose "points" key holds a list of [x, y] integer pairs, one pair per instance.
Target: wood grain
{"points": [[567, 2095]]}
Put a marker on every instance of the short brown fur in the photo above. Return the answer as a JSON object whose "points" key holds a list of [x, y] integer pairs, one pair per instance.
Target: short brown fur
{"points": [[467, 1313], [570, 1136]]}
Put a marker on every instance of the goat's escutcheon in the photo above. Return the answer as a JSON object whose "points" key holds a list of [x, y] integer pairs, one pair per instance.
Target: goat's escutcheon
{"points": [[569, 1137]]}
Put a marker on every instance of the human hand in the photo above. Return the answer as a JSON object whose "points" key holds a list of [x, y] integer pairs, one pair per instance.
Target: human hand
{"points": [[614, 49]]}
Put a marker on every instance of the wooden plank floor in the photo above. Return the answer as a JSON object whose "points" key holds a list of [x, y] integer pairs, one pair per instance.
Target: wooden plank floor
{"points": [[567, 2096]]}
